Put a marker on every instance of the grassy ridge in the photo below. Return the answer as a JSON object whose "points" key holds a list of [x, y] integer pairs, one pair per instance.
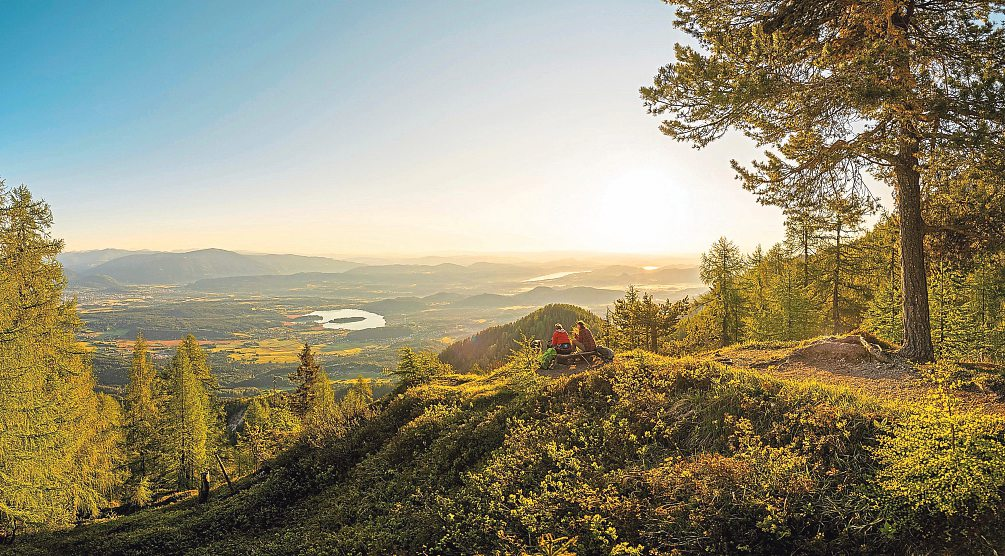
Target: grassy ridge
{"points": [[647, 455]]}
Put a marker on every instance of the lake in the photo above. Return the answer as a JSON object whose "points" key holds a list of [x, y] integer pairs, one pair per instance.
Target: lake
{"points": [[348, 319], [554, 276]]}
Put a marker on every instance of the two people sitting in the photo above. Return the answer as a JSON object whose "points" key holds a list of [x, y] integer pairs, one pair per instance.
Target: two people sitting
{"points": [[581, 338]]}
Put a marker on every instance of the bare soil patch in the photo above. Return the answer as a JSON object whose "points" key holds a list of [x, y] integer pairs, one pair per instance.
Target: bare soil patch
{"points": [[854, 362]]}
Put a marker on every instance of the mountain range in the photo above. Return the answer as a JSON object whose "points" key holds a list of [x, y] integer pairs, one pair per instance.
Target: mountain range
{"points": [[156, 267]]}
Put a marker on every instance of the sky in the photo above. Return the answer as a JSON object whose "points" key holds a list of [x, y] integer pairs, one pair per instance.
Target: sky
{"points": [[360, 128]]}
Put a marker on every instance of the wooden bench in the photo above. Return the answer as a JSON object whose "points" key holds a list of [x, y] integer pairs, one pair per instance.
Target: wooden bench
{"points": [[584, 356]]}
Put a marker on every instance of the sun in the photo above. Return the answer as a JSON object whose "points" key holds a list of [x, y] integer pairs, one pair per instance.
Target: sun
{"points": [[643, 210]]}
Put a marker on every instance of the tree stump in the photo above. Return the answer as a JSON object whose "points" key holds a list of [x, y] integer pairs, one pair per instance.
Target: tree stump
{"points": [[204, 488]]}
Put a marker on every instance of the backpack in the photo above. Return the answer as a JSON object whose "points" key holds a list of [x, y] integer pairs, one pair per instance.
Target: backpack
{"points": [[605, 353], [548, 358]]}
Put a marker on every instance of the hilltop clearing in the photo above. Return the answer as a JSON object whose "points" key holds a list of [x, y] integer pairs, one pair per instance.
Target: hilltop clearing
{"points": [[838, 362], [647, 455]]}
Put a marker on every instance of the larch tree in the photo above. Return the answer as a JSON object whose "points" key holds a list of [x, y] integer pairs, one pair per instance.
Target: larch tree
{"points": [[801, 237], [190, 415], [270, 424], [638, 321], [142, 423], [796, 319], [58, 448], [987, 284], [721, 268], [841, 221], [779, 307], [888, 87], [314, 398]]}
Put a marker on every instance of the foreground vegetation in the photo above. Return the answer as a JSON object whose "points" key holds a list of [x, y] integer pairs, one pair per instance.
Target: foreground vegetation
{"points": [[647, 455]]}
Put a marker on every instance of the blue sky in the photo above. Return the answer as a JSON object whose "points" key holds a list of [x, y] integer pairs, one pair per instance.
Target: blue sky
{"points": [[359, 128]]}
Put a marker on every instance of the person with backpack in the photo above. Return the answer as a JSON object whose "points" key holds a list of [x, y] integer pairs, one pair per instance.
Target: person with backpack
{"points": [[561, 342]]}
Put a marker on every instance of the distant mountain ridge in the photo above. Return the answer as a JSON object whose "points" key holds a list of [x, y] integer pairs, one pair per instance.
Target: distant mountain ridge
{"points": [[78, 262], [127, 267], [579, 295], [219, 270]]}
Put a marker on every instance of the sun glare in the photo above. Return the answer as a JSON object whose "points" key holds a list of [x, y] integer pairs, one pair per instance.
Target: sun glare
{"points": [[642, 210]]}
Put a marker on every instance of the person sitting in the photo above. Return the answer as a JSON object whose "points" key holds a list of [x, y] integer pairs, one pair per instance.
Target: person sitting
{"points": [[582, 338], [561, 342]]}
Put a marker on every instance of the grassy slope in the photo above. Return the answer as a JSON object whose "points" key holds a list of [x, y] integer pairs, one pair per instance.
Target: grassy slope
{"points": [[667, 454]]}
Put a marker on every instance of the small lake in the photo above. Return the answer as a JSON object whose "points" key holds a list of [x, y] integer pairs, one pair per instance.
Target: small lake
{"points": [[554, 276], [347, 319]]}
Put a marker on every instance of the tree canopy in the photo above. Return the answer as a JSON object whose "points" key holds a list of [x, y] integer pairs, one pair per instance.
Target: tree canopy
{"points": [[840, 89]]}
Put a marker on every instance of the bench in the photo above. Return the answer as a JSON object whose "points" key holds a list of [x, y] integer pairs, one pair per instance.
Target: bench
{"points": [[584, 356]]}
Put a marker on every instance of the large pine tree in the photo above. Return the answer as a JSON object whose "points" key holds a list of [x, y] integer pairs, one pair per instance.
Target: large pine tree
{"points": [[58, 445], [887, 88]]}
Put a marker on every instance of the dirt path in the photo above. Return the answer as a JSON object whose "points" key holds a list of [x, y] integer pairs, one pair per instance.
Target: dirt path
{"points": [[896, 379]]}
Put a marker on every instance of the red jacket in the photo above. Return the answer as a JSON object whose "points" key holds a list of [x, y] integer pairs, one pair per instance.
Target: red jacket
{"points": [[560, 337]]}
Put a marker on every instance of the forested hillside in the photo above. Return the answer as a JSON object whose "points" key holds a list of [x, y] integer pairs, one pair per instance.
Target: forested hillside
{"points": [[69, 453], [647, 455], [491, 347]]}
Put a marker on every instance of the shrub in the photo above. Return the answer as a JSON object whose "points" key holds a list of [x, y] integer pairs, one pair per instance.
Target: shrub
{"points": [[941, 460]]}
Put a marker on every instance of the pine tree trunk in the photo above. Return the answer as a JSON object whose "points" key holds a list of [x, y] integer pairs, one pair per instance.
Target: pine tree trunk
{"points": [[917, 327], [893, 287], [836, 309], [806, 257]]}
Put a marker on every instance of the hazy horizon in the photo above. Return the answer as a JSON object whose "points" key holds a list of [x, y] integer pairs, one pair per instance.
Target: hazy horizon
{"points": [[346, 129], [460, 257]]}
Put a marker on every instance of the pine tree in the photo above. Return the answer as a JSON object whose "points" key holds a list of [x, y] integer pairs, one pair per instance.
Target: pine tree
{"points": [[801, 237], [270, 424], [355, 405], [957, 329], [883, 315], [143, 417], [761, 321], [58, 447], [884, 308], [99, 458], [886, 88], [986, 283]]}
